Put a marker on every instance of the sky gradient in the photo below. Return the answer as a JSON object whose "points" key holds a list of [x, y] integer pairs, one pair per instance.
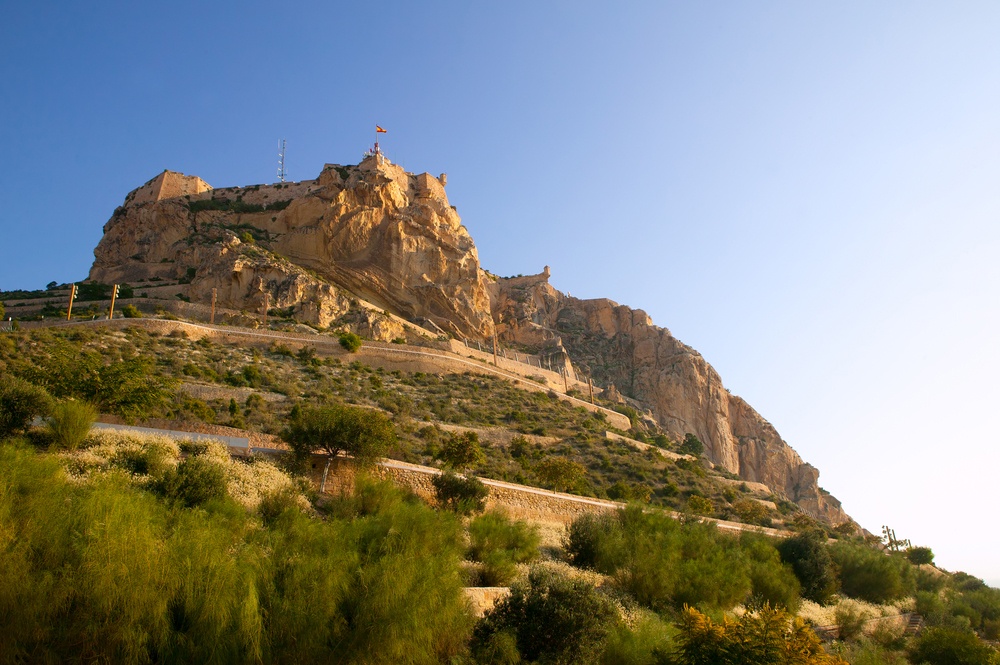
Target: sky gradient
{"points": [[805, 193]]}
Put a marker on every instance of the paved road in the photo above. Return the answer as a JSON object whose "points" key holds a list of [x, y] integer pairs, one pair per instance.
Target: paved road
{"points": [[237, 442]]}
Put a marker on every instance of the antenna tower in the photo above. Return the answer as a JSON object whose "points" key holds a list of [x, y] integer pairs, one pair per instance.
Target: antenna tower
{"points": [[281, 162]]}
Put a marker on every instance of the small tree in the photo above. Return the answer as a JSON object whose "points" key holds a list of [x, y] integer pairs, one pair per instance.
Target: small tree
{"points": [[462, 451], [560, 472], [462, 495], [920, 555], [692, 445], [20, 403], [364, 434], [810, 561]]}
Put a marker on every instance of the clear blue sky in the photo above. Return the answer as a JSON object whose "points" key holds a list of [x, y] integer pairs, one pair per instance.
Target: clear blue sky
{"points": [[807, 193]]}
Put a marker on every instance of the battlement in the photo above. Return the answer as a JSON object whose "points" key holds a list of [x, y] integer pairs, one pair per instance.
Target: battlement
{"points": [[168, 185]]}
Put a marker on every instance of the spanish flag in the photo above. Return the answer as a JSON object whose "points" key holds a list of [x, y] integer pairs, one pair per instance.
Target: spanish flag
{"points": [[379, 130]]}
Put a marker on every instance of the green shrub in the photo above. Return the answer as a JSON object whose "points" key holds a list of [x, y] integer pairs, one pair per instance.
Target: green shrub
{"points": [[586, 538], [20, 403], [551, 618], [195, 482], [461, 495], [499, 544], [350, 341], [948, 646], [699, 505], [771, 581], [70, 422], [760, 637], [643, 643], [131, 312], [871, 574], [661, 562]]}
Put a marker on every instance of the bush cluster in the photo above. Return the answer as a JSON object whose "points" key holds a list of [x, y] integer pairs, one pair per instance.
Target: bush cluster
{"points": [[106, 572]]}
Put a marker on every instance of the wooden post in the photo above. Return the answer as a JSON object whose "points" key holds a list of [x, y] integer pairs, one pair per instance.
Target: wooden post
{"points": [[72, 297], [267, 300], [565, 380], [495, 362], [114, 295], [590, 383], [214, 293]]}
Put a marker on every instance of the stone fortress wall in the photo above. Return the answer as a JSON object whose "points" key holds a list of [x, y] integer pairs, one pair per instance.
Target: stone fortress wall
{"points": [[168, 185]]}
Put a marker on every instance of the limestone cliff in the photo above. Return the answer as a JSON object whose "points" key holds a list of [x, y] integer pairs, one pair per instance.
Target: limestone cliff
{"points": [[371, 231], [619, 345]]}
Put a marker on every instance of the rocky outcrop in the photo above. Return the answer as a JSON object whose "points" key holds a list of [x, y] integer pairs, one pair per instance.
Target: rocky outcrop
{"points": [[371, 231], [374, 232], [620, 346]]}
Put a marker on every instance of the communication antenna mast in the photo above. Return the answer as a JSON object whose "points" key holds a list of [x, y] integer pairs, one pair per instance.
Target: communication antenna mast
{"points": [[281, 162]]}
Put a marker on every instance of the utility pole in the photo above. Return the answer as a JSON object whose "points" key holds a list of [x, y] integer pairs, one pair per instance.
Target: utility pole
{"points": [[267, 299], [565, 380], [72, 297], [281, 162], [114, 296], [214, 293], [495, 362], [590, 382]]}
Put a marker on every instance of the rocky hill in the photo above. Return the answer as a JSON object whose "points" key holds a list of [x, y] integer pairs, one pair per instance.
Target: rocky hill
{"points": [[376, 232]]}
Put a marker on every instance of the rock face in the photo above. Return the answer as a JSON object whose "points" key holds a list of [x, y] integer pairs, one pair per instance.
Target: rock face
{"points": [[372, 231], [620, 346]]}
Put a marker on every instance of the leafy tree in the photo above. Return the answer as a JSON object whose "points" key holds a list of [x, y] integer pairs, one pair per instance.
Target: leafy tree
{"points": [[692, 445], [462, 451], [949, 646], [70, 422], [920, 555], [551, 619], [364, 434], [559, 472], [463, 495], [20, 403], [809, 558]]}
